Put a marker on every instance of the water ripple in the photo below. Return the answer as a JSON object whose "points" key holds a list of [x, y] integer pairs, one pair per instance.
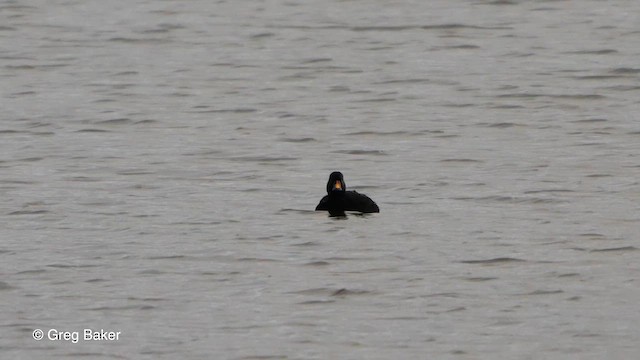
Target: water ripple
{"points": [[500, 260]]}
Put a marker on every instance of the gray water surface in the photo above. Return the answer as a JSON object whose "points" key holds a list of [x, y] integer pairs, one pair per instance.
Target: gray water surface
{"points": [[160, 161]]}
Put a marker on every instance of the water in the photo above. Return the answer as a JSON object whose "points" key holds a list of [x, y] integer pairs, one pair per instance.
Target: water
{"points": [[160, 161]]}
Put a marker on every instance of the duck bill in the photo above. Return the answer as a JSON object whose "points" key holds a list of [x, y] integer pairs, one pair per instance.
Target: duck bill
{"points": [[337, 185]]}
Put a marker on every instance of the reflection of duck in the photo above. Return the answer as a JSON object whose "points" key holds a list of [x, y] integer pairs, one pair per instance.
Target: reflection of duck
{"points": [[340, 200]]}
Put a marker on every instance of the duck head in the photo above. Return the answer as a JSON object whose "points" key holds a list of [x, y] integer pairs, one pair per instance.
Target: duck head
{"points": [[336, 183]]}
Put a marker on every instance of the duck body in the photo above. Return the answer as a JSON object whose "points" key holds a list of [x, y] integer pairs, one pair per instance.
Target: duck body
{"points": [[338, 199]]}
